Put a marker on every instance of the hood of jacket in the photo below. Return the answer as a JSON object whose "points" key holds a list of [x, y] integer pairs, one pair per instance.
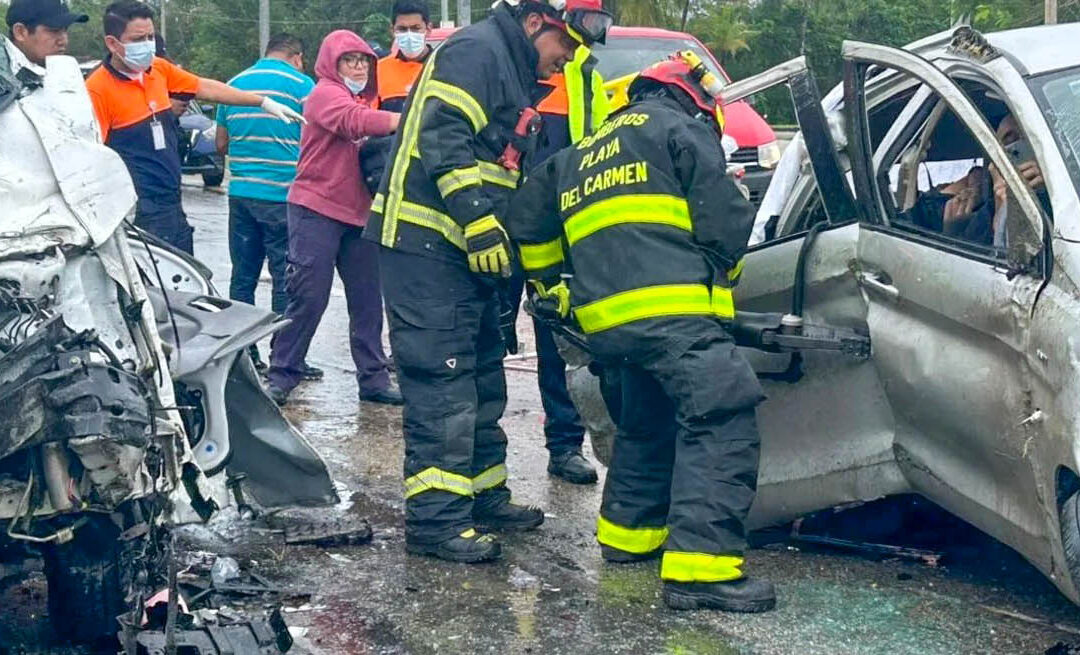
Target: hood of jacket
{"points": [[338, 43]]}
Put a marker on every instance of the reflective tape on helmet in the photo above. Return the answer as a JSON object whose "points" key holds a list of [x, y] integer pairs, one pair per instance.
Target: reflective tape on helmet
{"points": [[435, 479], [536, 257], [630, 540], [620, 210], [458, 179], [489, 479], [655, 302], [700, 567]]}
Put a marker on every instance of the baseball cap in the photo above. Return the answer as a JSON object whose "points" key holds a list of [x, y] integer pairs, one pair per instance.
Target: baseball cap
{"points": [[50, 13]]}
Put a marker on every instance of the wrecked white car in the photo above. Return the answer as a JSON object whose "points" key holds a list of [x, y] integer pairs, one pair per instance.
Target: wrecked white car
{"points": [[99, 448], [971, 308]]}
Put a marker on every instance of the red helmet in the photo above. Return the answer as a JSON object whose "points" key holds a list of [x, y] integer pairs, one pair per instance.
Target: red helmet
{"points": [[676, 75], [585, 20]]}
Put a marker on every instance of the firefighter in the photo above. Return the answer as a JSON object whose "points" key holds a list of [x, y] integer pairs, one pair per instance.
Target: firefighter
{"points": [[573, 104], [653, 232], [438, 216]]}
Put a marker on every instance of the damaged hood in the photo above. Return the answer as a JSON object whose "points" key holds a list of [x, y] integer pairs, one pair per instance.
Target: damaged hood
{"points": [[59, 185]]}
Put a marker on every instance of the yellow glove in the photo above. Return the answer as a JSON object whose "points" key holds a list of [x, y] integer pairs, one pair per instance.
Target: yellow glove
{"points": [[488, 247], [555, 296]]}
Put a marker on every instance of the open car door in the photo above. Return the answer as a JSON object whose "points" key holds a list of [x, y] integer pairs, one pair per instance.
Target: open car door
{"points": [[826, 427], [949, 311]]}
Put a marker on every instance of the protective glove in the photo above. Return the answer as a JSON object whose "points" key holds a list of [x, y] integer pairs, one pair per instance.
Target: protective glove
{"points": [[553, 299], [488, 247], [278, 110], [509, 330]]}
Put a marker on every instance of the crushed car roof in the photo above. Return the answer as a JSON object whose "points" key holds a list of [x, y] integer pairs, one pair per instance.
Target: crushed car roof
{"points": [[1039, 49]]}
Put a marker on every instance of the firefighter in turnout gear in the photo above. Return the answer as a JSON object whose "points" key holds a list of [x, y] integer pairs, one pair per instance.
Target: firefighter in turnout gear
{"points": [[438, 216], [636, 235]]}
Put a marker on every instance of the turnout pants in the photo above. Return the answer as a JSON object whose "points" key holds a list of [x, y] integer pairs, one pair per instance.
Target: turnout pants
{"points": [[318, 245], [444, 332], [685, 461]]}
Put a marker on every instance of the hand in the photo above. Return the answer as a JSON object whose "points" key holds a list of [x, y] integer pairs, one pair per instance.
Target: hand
{"points": [[1032, 175], [395, 122], [488, 247], [1001, 190], [554, 299], [959, 206], [509, 330], [278, 110]]}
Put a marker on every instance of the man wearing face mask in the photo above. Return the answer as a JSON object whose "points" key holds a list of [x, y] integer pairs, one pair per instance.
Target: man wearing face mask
{"points": [[131, 93], [437, 216]]}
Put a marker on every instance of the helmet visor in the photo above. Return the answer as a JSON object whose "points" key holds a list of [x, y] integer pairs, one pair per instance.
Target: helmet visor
{"points": [[592, 25]]}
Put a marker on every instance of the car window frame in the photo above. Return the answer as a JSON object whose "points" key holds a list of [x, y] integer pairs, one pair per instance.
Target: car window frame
{"points": [[859, 58]]}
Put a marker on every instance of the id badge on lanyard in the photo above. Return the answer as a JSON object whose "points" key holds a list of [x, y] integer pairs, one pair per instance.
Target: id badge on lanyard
{"points": [[157, 130]]}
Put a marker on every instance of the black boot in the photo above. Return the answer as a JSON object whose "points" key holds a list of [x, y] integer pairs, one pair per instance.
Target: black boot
{"points": [[469, 547], [742, 595], [309, 372], [506, 516], [616, 556], [572, 467]]}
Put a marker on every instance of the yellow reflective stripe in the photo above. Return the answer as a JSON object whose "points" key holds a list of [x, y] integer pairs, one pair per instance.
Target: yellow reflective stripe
{"points": [[699, 567], [378, 203], [541, 255], [458, 179], [630, 540], [459, 99], [410, 134], [489, 479], [734, 273], [496, 174], [643, 208], [433, 220], [437, 479], [481, 225], [648, 302], [723, 303]]}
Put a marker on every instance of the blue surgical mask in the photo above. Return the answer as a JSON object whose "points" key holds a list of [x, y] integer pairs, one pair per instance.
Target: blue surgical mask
{"points": [[356, 87], [411, 44], [140, 55]]}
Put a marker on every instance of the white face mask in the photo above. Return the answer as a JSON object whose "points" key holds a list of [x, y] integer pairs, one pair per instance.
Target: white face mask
{"points": [[140, 55], [356, 87], [411, 44]]}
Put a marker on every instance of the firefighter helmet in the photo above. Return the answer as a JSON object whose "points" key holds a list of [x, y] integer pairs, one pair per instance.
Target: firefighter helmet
{"points": [[585, 20], [683, 82]]}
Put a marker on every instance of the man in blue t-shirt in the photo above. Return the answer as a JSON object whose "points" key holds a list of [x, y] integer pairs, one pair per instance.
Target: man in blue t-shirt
{"points": [[262, 161]]}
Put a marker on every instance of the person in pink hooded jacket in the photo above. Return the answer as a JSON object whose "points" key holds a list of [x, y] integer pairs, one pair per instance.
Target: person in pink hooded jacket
{"points": [[328, 207]]}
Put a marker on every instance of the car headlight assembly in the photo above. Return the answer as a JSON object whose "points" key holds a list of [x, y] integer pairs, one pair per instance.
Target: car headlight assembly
{"points": [[768, 154]]}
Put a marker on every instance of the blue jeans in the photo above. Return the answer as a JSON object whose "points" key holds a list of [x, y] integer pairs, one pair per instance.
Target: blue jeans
{"points": [[167, 221], [258, 231]]}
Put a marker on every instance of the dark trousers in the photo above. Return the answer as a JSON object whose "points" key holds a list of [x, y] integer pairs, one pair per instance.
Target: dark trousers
{"points": [[167, 221], [564, 430], [318, 245], [685, 461], [258, 231], [444, 332]]}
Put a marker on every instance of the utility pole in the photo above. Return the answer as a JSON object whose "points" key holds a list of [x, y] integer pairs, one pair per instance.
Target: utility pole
{"points": [[464, 12], [264, 25], [446, 22], [1051, 12], [164, 36]]}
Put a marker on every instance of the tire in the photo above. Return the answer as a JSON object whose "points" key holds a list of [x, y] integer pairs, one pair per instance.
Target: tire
{"points": [[87, 583], [213, 179], [1069, 517]]}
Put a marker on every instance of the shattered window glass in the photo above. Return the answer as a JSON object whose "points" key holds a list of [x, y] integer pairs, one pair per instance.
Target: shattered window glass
{"points": [[1059, 95]]}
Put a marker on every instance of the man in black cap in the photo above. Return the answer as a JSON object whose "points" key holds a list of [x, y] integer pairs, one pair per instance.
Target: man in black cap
{"points": [[39, 28]]}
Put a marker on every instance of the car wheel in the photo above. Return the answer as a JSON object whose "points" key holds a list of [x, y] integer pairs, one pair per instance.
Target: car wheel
{"points": [[213, 179], [88, 578], [1069, 517]]}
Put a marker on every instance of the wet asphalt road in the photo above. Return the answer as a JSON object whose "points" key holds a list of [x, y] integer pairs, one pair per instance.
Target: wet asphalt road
{"points": [[551, 593]]}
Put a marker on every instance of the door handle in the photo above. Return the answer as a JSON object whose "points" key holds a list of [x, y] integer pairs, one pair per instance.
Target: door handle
{"points": [[874, 281]]}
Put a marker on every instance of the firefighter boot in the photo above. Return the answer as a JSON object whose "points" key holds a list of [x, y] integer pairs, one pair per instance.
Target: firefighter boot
{"points": [[470, 547], [742, 595], [505, 516]]}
